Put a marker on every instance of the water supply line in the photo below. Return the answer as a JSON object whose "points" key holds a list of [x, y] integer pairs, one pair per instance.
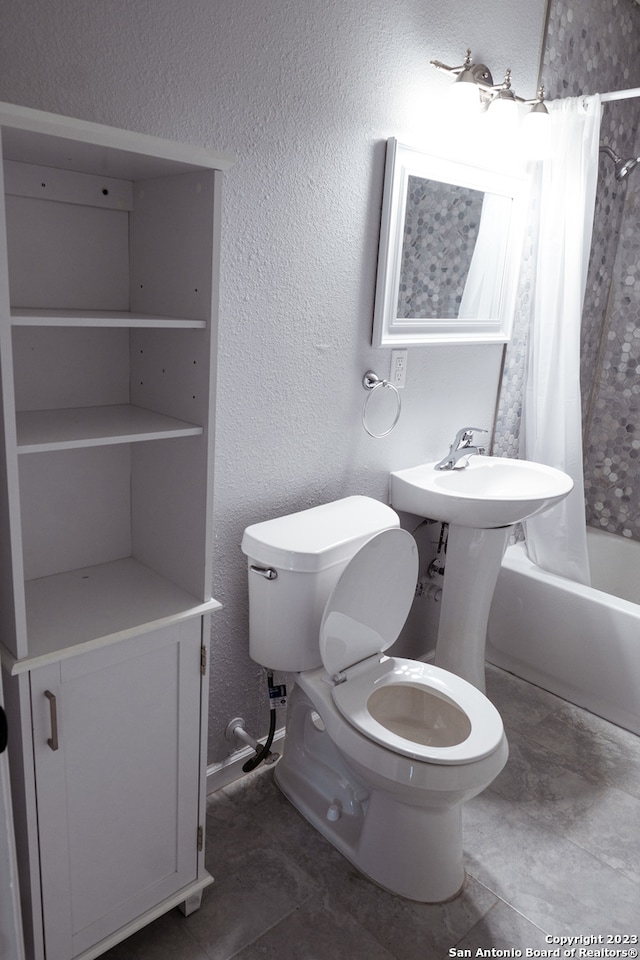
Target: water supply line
{"points": [[437, 565], [429, 585], [236, 730]]}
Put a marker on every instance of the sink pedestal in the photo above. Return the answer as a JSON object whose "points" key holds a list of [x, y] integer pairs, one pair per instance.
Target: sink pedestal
{"points": [[472, 566], [480, 502]]}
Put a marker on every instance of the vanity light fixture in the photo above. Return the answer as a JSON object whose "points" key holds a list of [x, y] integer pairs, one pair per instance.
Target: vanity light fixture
{"points": [[536, 130], [472, 82], [474, 87]]}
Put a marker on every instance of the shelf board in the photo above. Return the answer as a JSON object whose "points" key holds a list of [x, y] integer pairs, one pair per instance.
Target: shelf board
{"points": [[44, 430], [34, 135], [81, 610], [25, 317]]}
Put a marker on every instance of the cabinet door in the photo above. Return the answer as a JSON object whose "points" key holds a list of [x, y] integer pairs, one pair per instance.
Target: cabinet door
{"points": [[10, 919], [116, 742]]}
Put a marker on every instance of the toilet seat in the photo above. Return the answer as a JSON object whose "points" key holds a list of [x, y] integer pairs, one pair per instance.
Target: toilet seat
{"points": [[411, 708], [457, 721]]}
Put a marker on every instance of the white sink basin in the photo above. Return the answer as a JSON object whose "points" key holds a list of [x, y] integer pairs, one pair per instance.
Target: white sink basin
{"points": [[489, 492]]}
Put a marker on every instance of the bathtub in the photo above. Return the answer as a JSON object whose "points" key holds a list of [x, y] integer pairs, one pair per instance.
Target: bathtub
{"points": [[582, 643]]}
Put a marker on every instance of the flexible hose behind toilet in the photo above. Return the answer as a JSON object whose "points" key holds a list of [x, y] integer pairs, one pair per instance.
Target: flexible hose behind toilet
{"points": [[264, 752]]}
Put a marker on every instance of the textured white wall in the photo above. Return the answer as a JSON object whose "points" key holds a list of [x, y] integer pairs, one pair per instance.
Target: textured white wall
{"points": [[305, 95]]}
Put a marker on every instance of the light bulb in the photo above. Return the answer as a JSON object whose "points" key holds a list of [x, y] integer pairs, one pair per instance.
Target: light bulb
{"points": [[502, 112], [464, 94], [536, 133]]}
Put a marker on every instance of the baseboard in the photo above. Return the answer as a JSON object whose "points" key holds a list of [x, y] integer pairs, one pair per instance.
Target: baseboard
{"points": [[230, 769]]}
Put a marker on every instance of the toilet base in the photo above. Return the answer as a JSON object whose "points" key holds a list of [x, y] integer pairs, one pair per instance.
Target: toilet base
{"points": [[413, 851]]}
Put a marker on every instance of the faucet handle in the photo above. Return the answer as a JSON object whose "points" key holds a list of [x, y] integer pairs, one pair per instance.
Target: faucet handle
{"points": [[461, 448], [466, 434]]}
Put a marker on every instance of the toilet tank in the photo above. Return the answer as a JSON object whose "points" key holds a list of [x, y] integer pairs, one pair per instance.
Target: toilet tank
{"points": [[293, 565]]}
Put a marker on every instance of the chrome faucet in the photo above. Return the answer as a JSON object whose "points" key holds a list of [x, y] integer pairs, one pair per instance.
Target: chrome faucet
{"points": [[461, 448]]}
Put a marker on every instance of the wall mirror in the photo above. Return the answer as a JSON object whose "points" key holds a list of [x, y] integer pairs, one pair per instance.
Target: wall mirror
{"points": [[450, 247]]}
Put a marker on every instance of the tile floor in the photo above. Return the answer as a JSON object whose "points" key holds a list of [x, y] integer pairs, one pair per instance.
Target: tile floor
{"points": [[551, 848]]}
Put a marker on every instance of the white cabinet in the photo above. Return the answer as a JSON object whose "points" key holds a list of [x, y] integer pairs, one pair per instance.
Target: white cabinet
{"points": [[109, 247], [10, 913], [118, 796]]}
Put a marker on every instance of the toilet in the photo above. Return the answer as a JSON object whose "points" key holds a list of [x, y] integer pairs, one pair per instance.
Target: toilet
{"points": [[380, 752]]}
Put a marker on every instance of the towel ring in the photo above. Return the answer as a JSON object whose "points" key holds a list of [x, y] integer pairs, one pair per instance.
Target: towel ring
{"points": [[371, 382]]}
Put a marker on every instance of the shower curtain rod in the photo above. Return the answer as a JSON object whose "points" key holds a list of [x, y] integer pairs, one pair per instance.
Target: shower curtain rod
{"points": [[620, 95]]}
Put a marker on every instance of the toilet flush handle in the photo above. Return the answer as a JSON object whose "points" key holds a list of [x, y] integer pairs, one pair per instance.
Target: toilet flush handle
{"points": [[267, 572]]}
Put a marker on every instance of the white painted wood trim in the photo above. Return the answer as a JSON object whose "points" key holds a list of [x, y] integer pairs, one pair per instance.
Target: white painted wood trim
{"points": [[43, 430], [25, 317], [10, 913], [25, 813], [89, 610], [95, 134], [205, 684], [97, 606], [66, 186], [184, 894]]}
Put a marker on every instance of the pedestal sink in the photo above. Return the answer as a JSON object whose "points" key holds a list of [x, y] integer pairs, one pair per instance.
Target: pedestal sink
{"points": [[480, 502]]}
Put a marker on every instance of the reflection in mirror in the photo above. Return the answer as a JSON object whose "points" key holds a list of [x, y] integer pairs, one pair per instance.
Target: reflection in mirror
{"points": [[449, 251], [440, 230]]}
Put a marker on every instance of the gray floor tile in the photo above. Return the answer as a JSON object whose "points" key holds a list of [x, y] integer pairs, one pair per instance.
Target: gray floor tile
{"points": [[252, 893], [553, 882], [521, 704], [536, 780], [601, 819], [552, 847], [410, 930], [599, 750], [167, 938], [610, 831], [503, 928], [317, 931]]}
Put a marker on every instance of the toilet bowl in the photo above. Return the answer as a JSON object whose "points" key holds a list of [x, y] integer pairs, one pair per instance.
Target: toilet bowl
{"points": [[380, 752]]}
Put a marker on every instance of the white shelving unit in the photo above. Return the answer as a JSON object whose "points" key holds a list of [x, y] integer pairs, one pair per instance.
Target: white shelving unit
{"points": [[109, 252], [97, 318], [42, 430]]}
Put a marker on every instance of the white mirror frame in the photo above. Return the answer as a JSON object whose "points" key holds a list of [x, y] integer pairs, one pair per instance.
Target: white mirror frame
{"points": [[389, 329]]}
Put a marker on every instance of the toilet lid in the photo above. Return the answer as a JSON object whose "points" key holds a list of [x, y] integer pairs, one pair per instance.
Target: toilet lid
{"points": [[369, 604]]}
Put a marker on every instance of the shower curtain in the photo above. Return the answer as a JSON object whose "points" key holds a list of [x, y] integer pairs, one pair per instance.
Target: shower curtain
{"points": [[551, 416], [481, 294]]}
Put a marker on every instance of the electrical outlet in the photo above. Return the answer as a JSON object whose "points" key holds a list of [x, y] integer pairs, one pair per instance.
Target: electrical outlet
{"points": [[398, 368]]}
